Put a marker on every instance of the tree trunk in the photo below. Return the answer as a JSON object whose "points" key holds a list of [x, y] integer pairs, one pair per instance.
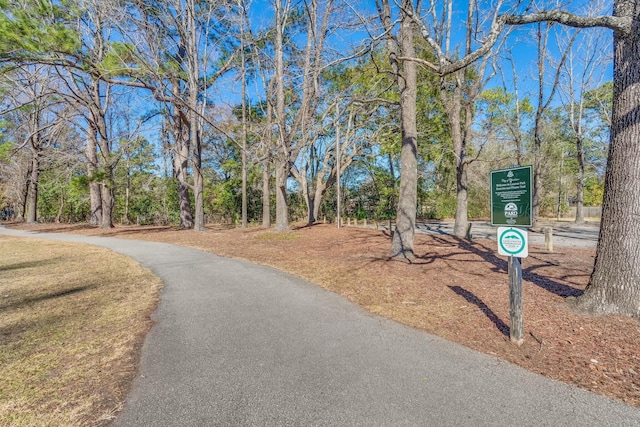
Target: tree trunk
{"points": [[20, 216], [317, 199], [198, 179], [282, 158], [282, 208], [127, 198], [537, 178], [61, 207], [266, 201], [402, 242], [96, 204], [266, 173], [461, 224], [311, 211], [32, 199], [614, 286], [243, 71], [301, 177], [107, 197], [537, 132], [458, 139], [180, 169], [107, 186], [190, 41], [127, 192], [580, 182], [198, 184], [244, 214], [104, 162], [94, 187]]}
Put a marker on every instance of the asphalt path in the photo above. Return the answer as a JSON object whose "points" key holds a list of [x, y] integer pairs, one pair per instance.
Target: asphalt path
{"points": [[235, 344]]}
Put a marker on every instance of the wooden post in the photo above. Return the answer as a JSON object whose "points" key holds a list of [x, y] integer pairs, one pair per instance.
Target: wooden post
{"points": [[338, 196], [548, 238], [348, 221], [365, 223], [515, 301]]}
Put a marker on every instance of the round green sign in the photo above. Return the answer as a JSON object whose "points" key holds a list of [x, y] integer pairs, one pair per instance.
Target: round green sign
{"points": [[512, 241]]}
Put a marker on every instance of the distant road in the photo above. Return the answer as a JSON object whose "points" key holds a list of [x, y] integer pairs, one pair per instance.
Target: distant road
{"points": [[565, 234]]}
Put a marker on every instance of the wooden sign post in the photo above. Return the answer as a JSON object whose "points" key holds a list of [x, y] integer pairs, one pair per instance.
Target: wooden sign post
{"points": [[511, 202], [512, 242]]}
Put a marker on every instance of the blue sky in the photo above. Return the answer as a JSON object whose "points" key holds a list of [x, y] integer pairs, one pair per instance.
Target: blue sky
{"points": [[521, 45]]}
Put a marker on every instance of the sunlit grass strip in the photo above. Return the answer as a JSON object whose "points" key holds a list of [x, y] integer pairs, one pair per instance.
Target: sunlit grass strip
{"points": [[71, 321]]}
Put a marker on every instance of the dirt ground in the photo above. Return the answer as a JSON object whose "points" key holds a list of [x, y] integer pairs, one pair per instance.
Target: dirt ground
{"points": [[455, 289]]}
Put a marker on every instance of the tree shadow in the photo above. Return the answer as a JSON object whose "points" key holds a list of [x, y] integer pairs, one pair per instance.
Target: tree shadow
{"points": [[302, 226], [473, 299], [51, 295], [65, 228], [29, 264], [528, 274], [141, 230], [14, 330], [120, 230]]}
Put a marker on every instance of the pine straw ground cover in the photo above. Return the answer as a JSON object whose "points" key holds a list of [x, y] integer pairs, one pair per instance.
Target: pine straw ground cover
{"points": [[454, 289], [72, 318]]}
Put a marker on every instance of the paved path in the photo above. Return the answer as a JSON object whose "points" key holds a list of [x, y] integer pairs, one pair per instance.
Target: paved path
{"points": [[235, 344]]}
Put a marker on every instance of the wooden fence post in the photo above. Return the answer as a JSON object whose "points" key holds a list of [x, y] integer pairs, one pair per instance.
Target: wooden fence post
{"points": [[548, 238]]}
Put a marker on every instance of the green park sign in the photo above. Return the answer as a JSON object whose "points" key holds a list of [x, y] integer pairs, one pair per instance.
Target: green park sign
{"points": [[512, 197]]}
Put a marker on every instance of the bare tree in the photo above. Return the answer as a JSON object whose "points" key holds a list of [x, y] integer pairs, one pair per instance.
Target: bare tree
{"points": [[267, 144], [544, 99], [505, 114], [405, 72], [171, 52], [243, 78], [294, 124], [460, 86], [37, 115], [583, 72], [283, 155], [325, 158], [458, 93], [75, 41], [264, 133]]}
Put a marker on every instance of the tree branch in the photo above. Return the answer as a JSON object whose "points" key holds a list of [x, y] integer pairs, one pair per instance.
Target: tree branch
{"points": [[620, 24]]}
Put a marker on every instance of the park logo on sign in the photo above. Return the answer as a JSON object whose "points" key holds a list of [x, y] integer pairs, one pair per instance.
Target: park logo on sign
{"points": [[511, 210], [511, 213]]}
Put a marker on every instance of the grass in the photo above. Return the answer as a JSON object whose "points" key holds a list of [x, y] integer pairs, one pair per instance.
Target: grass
{"points": [[71, 320]]}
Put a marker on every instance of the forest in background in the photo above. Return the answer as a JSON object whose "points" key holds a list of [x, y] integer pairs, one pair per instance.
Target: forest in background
{"points": [[167, 113]]}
